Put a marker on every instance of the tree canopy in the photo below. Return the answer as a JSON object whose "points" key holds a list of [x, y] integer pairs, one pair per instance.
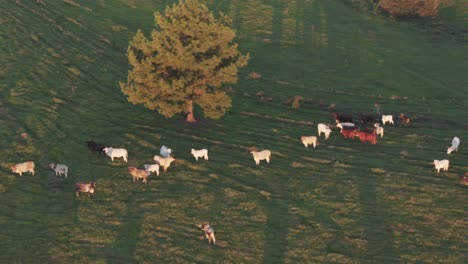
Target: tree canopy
{"points": [[188, 57], [422, 8]]}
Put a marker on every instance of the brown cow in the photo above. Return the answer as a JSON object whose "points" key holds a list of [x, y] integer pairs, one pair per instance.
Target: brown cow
{"points": [[27, 166], [86, 187], [465, 179], [138, 174], [348, 132], [366, 136], [404, 119]]}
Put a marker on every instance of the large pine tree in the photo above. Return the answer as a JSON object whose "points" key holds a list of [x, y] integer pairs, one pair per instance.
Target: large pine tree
{"points": [[189, 56]]}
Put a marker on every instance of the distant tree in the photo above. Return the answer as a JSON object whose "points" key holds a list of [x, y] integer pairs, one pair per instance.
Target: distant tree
{"points": [[189, 56], [421, 8]]}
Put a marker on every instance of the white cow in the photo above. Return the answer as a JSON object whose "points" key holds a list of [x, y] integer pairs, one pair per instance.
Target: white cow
{"points": [[116, 153], [379, 130], [345, 124], [261, 155], [441, 164], [164, 162], [59, 169], [325, 129], [387, 118], [152, 168], [165, 152], [200, 153], [312, 140], [455, 144]]}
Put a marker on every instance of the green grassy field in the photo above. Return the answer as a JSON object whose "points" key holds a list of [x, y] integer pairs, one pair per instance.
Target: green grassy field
{"points": [[343, 202]]}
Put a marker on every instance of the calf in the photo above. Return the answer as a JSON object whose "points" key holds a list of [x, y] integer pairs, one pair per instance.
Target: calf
{"points": [[92, 145], [261, 155], [86, 187], [164, 162], [404, 119], [441, 164], [152, 168], [27, 166], [378, 130], [138, 174], [325, 129], [201, 153], [209, 233], [59, 169]]}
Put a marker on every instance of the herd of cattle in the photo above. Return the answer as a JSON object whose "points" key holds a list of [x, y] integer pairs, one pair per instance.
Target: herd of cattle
{"points": [[371, 129]]}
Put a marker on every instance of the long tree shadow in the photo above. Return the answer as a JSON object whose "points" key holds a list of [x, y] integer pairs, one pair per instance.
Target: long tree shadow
{"points": [[376, 221], [276, 230], [123, 248]]}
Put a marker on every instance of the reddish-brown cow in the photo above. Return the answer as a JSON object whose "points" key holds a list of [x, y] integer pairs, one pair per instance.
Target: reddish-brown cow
{"points": [[348, 132], [365, 136]]}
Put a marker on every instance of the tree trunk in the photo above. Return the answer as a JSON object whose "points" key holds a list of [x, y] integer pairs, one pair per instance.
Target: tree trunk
{"points": [[190, 118]]}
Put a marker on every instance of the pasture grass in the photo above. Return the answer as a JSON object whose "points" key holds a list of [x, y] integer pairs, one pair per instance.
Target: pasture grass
{"points": [[342, 202]]}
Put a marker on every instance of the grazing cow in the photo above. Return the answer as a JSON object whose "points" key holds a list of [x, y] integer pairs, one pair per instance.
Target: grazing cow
{"points": [[404, 119], [27, 166], [312, 140], [152, 168], [59, 169], [465, 179], [387, 118], [441, 164], [164, 162], [209, 233], [340, 118], [116, 153], [345, 125], [379, 130], [325, 129], [201, 153], [138, 174], [92, 145], [366, 118], [86, 187], [261, 155], [366, 136], [455, 144], [165, 152]]}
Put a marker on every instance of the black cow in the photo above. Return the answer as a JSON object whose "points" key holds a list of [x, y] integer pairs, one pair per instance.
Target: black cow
{"points": [[366, 118], [92, 145], [342, 118]]}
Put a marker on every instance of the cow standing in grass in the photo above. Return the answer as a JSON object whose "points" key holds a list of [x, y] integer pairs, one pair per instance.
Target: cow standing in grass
{"points": [[86, 187], [209, 233], [27, 166], [261, 155]]}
